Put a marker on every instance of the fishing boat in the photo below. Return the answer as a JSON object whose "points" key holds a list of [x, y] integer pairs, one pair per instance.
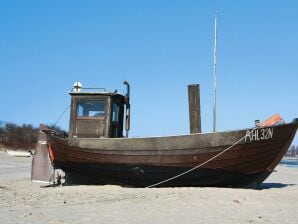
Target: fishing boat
{"points": [[97, 150]]}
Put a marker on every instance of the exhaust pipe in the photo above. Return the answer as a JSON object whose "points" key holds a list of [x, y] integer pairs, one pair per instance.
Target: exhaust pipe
{"points": [[127, 106]]}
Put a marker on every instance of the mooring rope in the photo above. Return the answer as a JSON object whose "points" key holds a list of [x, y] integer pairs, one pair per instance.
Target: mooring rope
{"points": [[61, 115], [198, 166]]}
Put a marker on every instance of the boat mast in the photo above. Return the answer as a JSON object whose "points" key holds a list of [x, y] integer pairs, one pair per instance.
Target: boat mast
{"points": [[214, 74]]}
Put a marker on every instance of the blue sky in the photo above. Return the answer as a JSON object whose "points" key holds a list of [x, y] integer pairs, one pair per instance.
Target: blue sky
{"points": [[159, 47]]}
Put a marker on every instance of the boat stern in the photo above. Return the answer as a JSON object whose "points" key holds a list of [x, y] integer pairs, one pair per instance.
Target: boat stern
{"points": [[41, 169]]}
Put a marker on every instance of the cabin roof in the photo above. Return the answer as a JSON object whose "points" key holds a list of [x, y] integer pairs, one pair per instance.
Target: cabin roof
{"points": [[94, 92]]}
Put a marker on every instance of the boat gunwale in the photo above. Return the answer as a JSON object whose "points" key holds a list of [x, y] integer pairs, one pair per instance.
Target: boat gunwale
{"points": [[102, 144], [191, 134]]}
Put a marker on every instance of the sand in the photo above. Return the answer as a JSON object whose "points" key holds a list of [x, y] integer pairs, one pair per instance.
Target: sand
{"points": [[22, 201]]}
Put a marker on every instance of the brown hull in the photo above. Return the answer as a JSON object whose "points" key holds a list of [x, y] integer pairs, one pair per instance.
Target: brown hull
{"points": [[145, 161]]}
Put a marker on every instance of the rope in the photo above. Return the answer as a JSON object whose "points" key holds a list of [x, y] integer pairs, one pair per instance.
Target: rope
{"points": [[198, 166], [61, 115]]}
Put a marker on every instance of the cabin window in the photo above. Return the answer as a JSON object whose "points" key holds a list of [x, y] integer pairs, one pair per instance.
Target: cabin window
{"points": [[90, 108], [115, 112]]}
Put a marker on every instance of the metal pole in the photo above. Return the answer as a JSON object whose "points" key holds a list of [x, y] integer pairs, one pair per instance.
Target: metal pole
{"points": [[214, 75]]}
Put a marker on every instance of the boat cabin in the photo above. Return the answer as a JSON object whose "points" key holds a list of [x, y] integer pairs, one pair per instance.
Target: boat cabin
{"points": [[96, 113]]}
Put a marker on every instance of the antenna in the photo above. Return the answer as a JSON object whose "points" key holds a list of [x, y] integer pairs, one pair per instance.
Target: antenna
{"points": [[214, 74]]}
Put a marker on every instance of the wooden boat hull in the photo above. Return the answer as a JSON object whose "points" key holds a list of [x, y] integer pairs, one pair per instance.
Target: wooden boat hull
{"points": [[141, 162], [144, 176]]}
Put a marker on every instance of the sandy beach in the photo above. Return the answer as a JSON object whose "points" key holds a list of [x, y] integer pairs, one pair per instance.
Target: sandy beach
{"points": [[22, 201]]}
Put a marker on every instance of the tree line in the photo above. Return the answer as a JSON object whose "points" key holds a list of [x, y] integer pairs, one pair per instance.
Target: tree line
{"points": [[20, 136]]}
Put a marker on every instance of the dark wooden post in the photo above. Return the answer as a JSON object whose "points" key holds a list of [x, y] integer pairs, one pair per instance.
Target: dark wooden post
{"points": [[194, 108]]}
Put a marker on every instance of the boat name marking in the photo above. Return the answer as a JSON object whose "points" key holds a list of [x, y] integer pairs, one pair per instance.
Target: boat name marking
{"points": [[259, 134]]}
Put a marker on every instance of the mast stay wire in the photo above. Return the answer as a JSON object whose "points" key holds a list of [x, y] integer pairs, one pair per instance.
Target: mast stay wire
{"points": [[61, 115]]}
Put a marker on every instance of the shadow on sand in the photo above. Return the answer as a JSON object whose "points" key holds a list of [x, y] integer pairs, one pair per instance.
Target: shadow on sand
{"points": [[265, 186]]}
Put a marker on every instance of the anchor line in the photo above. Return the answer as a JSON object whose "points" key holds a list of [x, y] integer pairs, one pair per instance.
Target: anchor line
{"points": [[200, 165]]}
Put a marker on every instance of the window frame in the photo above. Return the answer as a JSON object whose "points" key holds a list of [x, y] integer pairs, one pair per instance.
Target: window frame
{"points": [[99, 117], [117, 112]]}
